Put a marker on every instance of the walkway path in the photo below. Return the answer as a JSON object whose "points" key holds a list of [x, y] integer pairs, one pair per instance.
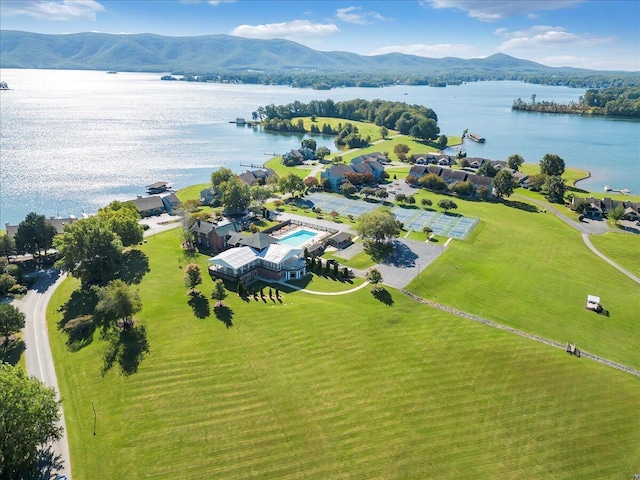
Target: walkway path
{"points": [[313, 292], [529, 336]]}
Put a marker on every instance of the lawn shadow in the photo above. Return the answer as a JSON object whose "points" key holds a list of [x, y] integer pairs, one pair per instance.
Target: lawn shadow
{"points": [[12, 352], [224, 314], [44, 280], [383, 295], [81, 302], [199, 304], [378, 251], [135, 266], [526, 207], [127, 348], [79, 332], [47, 464], [402, 257]]}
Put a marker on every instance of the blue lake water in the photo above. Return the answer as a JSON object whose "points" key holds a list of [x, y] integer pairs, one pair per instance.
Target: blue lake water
{"points": [[72, 141]]}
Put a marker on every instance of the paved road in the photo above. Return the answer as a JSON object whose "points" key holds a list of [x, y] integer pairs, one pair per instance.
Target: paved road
{"points": [[38, 352], [587, 240]]}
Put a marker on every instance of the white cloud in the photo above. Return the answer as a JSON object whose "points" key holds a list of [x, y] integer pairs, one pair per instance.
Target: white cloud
{"points": [[545, 37], [358, 16], [433, 51], [297, 30], [54, 9], [593, 63], [491, 10], [215, 3]]}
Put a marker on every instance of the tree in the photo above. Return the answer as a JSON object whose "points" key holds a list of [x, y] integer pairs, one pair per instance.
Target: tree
{"points": [[34, 234], [463, 189], [7, 246], [322, 152], [367, 192], [29, 414], [309, 143], [6, 282], [377, 226], [551, 164], [425, 202], [311, 182], [90, 250], [483, 192], [401, 150], [192, 277], [260, 194], [291, 183], [122, 218], [401, 197], [347, 188], [514, 161], [487, 170], [410, 199], [617, 213], [503, 184], [447, 204], [374, 277], [117, 301], [384, 131], [236, 196], [220, 176], [11, 321], [555, 188], [219, 293], [382, 194], [441, 142]]}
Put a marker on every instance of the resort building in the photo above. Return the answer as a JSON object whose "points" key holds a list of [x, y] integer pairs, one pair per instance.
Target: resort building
{"points": [[213, 236]]}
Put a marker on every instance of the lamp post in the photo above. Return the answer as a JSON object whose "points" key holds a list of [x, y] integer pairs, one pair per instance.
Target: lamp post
{"points": [[94, 417]]}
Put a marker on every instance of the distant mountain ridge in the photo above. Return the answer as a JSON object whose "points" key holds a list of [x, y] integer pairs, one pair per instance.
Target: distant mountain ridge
{"points": [[225, 53]]}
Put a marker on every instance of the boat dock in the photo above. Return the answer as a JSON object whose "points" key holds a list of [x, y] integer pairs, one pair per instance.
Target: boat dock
{"points": [[477, 138]]}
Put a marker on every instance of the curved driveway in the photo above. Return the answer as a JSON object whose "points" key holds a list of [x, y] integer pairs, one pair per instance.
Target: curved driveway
{"points": [[38, 352]]}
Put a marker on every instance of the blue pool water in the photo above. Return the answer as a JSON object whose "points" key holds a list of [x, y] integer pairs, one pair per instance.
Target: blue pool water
{"points": [[297, 238]]}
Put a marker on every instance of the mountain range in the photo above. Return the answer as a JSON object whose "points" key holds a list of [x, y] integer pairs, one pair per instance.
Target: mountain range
{"points": [[229, 54]]}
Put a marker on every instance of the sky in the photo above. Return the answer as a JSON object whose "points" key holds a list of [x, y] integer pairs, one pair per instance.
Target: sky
{"points": [[593, 34]]}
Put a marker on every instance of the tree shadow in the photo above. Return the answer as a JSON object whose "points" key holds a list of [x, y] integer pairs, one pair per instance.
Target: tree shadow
{"points": [[82, 302], [383, 295], [224, 314], [12, 352], [135, 266], [199, 304], [79, 332], [520, 205], [378, 251], [47, 464], [127, 348], [402, 257]]}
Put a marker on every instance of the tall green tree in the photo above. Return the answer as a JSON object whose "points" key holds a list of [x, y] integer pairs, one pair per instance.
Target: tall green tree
{"points": [[487, 170], [29, 414], [219, 292], [616, 214], [236, 196], [220, 176], [291, 183], [374, 277], [447, 204], [90, 250], [503, 184], [118, 301], [322, 152], [556, 188], [7, 245], [401, 150], [378, 226], [309, 143], [11, 320], [384, 131], [260, 194], [514, 161], [122, 218], [34, 234], [551, 164]]}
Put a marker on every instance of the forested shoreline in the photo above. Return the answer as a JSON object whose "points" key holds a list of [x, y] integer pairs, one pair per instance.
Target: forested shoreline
{"points": [[612, 102]]}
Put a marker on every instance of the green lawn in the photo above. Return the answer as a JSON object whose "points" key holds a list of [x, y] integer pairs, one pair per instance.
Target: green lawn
{"points": [[533, 272], [337, 387], [624, 249]]}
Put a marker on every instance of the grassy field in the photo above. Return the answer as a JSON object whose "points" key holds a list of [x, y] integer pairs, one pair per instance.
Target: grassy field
{"points": [[624, 249], [336, 387]]}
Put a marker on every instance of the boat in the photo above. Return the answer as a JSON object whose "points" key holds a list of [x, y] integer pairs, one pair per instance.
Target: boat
{"points": [[111, 72], [4, 86], [477, 138], [607, 188]]}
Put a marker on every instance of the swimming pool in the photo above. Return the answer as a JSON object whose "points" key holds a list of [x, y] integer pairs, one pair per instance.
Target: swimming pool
{"points": [[297, 238]]}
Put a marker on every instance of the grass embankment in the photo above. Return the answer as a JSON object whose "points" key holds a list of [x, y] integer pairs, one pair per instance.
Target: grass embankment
{"points": [[624, 249], [337, 387]]}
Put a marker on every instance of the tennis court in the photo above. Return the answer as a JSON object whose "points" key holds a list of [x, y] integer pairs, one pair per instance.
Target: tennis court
{"points": [[344, 206], [441, 224]]}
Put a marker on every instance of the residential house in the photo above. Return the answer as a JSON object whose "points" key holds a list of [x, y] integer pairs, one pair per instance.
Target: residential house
{"points": [[58, 223], [631, 213], [260, 176], [298, 156], [276, 262], [213, 236], [149, 206], [207, 196], [170, 201], [335, 175]]}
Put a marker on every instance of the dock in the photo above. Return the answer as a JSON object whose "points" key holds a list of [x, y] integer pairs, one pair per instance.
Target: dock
{"points": [[477, 138]]}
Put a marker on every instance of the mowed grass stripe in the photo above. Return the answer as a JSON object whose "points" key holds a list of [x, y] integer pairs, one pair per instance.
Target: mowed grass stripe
{"points": [[349, 389]]}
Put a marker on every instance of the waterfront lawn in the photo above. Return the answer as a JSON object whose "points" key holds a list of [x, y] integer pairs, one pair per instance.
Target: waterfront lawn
{"points": [[622, 248], [531, 271], [192, 192], [366, 129], [336, 387]]}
